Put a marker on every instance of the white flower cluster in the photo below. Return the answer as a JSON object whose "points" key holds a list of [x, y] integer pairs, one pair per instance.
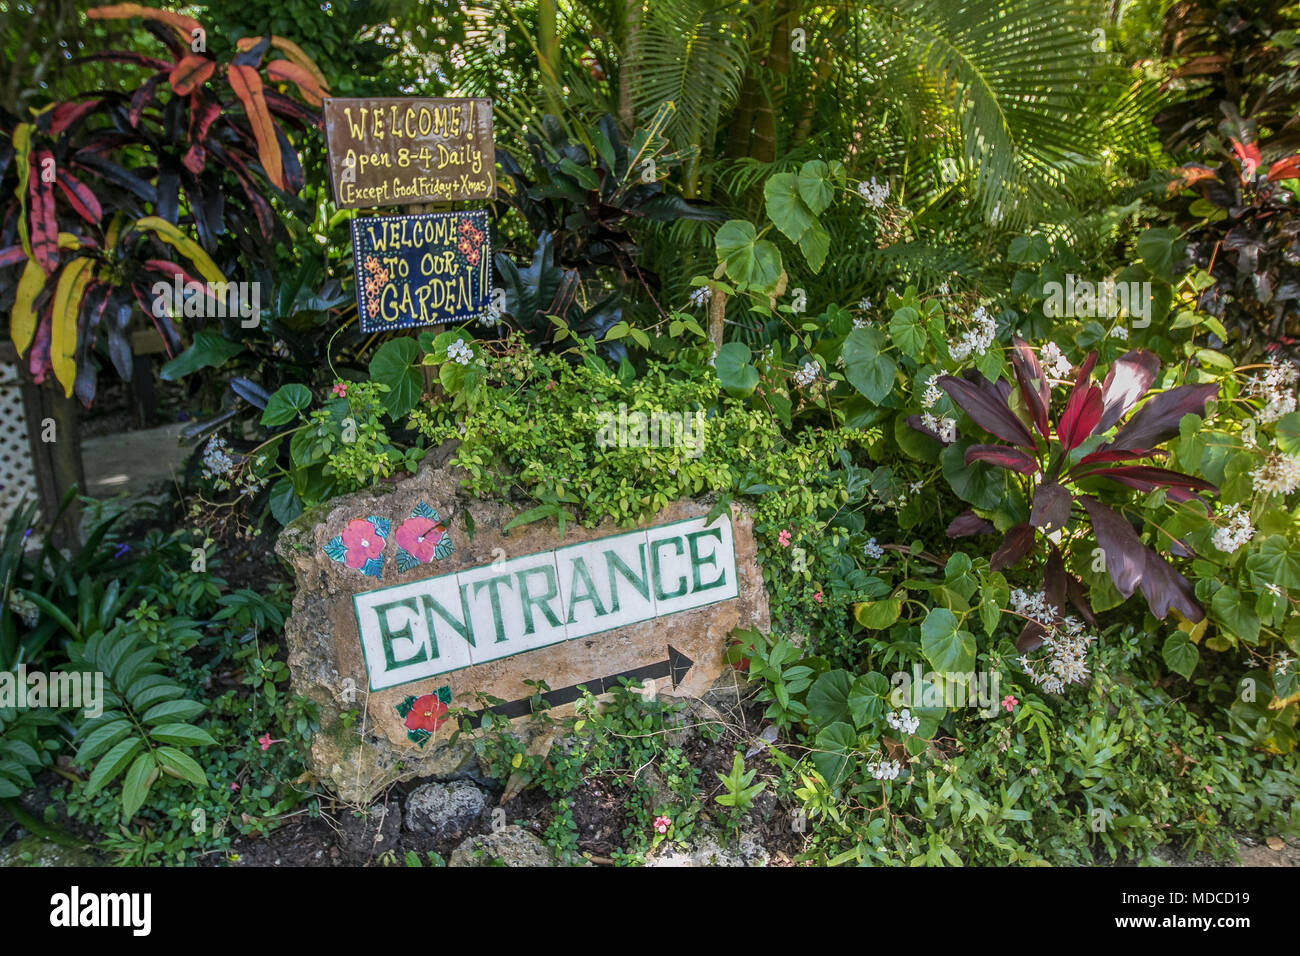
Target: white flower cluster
{"points": [[1283, 663], [491, 316], [1119, 332], [222, 469], [217, 462], [1066, 662], [1054, 363], [458, 351], [860, 323], [932, 392], [1236, 532], [872, 550], [883, 769], [945, 427], [700, 295], [24, 608], [903, 721], [975, 340], [864, 304], [1279, 475], [807, 374], [1276, 388], [1033, 605], [876, 194]]}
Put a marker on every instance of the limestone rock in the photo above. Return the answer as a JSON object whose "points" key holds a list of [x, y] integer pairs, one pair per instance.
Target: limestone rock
{"points": [[707, 847], [44, 853], [509, 846], [444, 810], [371, 738]]}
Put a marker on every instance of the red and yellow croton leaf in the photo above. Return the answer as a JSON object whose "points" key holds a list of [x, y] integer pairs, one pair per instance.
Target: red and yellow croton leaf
{"points": [[192, 71], [183, 25], [63, 325], [287, 72], [290, 50], [248, 87]]}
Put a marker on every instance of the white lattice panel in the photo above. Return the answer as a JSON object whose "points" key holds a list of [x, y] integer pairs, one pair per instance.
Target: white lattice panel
{"points": [[17, 481]]}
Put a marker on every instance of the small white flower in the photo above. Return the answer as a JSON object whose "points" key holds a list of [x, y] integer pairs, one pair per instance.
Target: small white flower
{"points": [[1119, 332], [883, 769], [903, 721], [1236, 532], [976, 339], [459, 352], [864, 303], [932, 392], [807, 373], [701, 295], [1279, 475], [872, 550], [1055, 364], [876, 194], [860, 323]]}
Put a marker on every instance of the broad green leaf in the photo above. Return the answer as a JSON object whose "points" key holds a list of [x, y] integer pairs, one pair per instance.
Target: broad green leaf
{"points": [[1180, 654], [736, 375], [751, 260], [878, 615], [908, 333], [111, 764], [285, 404], [180, 765], [866, 367], [785, 207], [944, 645], [209, 350], [833, 747], [816, 186], [815, 244], [1234, 614], [177, 709], [394, 366], [1274, 562], [828, 698]]}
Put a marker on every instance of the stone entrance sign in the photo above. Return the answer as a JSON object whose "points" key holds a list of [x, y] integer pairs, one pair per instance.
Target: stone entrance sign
{"points": [[401, 615]]}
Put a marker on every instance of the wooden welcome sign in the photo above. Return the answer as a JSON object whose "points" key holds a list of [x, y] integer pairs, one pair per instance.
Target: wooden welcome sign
{"points": [[397, 150], [427, 269]]}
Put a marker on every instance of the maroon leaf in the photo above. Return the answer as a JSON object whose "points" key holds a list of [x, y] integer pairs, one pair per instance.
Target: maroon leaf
{"points": [[1131, 565], [1033, 383], [45, 227], [1003, 456], [1125, 384], [982, 404], [1149, 478], [143, 96], [1015, 545], [1031, 638], [80, 197], [65, 114], [191, 71], [969, 523], [12, 255], [1079, 598], [1157, 420], [1120, 454], [202, 114], [1082, 412], [38, 359], [1051, 508]]}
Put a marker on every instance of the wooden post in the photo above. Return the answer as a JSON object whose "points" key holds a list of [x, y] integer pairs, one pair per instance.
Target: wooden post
{"points": [[54, 436]]}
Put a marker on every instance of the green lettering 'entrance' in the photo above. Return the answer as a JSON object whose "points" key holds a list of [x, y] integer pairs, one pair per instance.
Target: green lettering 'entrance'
{"points": [[387, 635], [660, 594]]}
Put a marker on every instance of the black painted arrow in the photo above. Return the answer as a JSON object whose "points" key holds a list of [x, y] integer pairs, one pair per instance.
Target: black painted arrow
{"points": [[674, 667]]}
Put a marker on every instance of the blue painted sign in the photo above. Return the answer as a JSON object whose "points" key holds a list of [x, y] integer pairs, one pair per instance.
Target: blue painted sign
{"points": [[428, 269]]}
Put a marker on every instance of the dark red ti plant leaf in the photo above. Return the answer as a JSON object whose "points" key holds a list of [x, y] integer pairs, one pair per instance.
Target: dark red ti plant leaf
{"points": [[987, 409], [1015, 545], [1055, 583], [1149, 478], [1121, 454], [1082, 412], [80, 197], [1034, 387], [1126, 382], [1132, 565], [969, 523], [45, 227], [1003, 456], [1157, 420], [1051, 508]]}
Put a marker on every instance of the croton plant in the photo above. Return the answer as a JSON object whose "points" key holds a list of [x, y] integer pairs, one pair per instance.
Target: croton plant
{"points": [[113, 192], [1102, 436]]}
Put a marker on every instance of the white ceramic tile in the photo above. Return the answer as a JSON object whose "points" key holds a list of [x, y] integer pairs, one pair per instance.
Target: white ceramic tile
{"points": [[396, 639], [692, 564], [514, 626], [616, 569]]}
